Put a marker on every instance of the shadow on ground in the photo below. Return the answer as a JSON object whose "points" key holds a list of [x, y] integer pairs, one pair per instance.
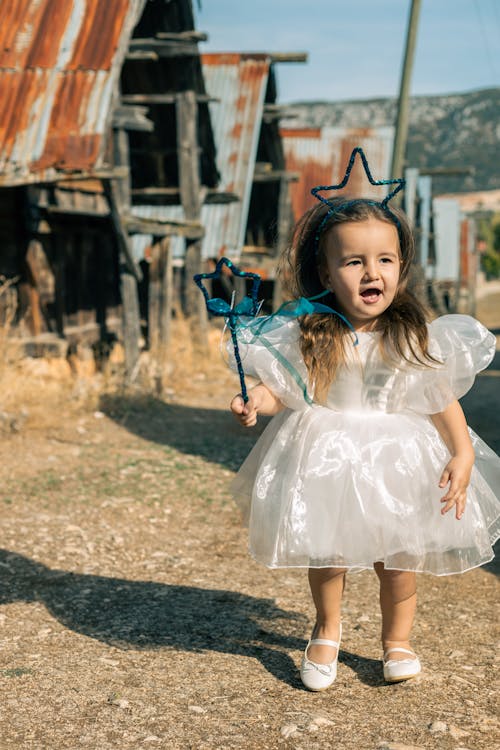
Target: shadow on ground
{"points": [[482, 403], [210, 433], [146, 615]]}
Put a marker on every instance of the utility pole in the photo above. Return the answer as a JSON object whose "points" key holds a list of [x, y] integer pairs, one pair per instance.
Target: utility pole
{"points": [[401, 134]]}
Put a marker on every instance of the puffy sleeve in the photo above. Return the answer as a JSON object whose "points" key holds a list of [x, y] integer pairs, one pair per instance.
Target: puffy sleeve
{"points": [[272, 355], [464, 347]]}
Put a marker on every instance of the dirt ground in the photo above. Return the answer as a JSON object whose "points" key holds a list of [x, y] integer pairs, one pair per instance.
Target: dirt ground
{"points": [[131, 615]]}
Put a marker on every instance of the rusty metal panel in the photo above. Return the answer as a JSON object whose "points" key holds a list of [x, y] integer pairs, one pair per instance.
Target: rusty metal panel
{"points": [[238, 82], [59, 65], [320, 157]]}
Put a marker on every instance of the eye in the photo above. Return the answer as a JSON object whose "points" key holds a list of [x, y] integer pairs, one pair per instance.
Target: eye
{"points": [[353, 262], [387, 260]]}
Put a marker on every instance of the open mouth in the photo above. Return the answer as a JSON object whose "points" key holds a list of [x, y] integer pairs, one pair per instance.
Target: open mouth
{"points": [[371, 295]]}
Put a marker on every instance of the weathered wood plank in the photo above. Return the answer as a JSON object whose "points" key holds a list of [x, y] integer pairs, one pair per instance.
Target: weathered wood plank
{"points": [[161, 98], [111, 190], [191, 199], [285, 224], [192, 230], [128, 117], [131, 322], [118, 195]]}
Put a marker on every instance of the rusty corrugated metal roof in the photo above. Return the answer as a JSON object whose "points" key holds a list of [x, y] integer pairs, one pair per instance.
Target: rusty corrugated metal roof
{"points": [[59, 63], [320, 157]]}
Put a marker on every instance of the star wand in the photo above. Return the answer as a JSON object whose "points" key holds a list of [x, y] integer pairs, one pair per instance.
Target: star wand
{"points": [[248, 307]]}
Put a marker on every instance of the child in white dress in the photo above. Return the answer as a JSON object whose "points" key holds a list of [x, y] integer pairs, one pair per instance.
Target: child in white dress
{"points": [[368, 461]]}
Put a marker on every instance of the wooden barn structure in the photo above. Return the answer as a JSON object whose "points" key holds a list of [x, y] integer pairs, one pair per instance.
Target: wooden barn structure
{"points": [[103, 109], [249, 216]]}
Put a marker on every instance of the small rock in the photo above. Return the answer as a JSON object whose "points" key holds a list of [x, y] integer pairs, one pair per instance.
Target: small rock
{"points": [[364, 618], [457, 733], [197, 709], [289, 730], [456, 654], [121, 703], [398, 746], [152, 738], [438, 726], [321, 721], [485, 727], [99, 415]]}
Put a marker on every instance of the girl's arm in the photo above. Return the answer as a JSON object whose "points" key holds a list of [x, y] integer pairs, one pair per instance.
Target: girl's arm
{"points": [[452, 427], [260, 401]]}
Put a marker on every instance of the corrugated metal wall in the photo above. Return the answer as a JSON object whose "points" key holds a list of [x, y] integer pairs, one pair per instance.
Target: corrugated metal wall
{"points": [[320, 157]]}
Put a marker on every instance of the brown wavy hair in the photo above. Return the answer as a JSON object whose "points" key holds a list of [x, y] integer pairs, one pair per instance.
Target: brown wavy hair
{"points": [[323, 337]]}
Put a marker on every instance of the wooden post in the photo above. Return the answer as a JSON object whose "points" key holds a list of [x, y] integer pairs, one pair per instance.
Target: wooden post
{"points": [[190, 192], [118, 194], [160, 307], [402, 119], [58, 239], [166, 293], [285, 221]]}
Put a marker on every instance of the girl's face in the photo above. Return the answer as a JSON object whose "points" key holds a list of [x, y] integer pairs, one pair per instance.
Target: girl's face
{"points": [[362, 264]]}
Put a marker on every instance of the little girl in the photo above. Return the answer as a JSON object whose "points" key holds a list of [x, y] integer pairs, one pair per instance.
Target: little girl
{"points": [[368, 461]]}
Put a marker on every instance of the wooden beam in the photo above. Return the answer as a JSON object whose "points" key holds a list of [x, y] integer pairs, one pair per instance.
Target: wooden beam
{"points": [[171, 46], [275, 176], [192, 36], [162, 98], [142, 55], [60, 212], [286, 57], [209, 195], [132, 118], [191, 230]]}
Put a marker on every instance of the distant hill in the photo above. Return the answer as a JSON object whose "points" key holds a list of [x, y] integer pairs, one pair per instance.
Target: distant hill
{"points": [[454, 130]]}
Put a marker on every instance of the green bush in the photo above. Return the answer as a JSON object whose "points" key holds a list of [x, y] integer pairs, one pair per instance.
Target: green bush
{"points": [[490, 263]]}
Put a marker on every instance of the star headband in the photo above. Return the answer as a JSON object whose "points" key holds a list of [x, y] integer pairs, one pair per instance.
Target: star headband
{"points": [[398, 182]]}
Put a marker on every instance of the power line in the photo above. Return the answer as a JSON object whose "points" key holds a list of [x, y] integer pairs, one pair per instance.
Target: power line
{"points": [[496, 12], [485, 38]]}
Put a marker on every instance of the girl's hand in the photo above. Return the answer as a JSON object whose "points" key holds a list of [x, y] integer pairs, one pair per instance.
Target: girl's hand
{"points": [[246, 414], [457, 472]]}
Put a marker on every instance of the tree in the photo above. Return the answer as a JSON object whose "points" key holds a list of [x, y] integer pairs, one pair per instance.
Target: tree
{"points": [[490, 259]]}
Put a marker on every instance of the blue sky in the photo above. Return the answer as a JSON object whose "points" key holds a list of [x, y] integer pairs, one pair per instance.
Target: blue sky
{"points": [[355, 47]]}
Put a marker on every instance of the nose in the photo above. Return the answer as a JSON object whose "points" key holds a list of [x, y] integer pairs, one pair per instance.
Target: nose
{"points": [[371, 271]]}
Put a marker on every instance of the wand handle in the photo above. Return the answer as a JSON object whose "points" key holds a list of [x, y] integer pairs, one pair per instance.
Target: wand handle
{"points": [[237, 357]]}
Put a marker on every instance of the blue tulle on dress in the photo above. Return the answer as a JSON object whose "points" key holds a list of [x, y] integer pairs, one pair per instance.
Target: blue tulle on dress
{"points": [[355, 481]]}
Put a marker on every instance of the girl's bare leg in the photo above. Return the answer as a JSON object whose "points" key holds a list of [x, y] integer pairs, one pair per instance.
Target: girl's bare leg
{"points": [[327, 587], [398, 600]]}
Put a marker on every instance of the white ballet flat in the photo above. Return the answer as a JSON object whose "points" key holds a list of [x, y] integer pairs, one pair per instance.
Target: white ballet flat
{"points": [[403, 669], [316, 676]]}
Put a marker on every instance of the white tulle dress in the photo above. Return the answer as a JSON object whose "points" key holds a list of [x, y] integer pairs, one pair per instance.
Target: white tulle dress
{"points": [[356, 481]]}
